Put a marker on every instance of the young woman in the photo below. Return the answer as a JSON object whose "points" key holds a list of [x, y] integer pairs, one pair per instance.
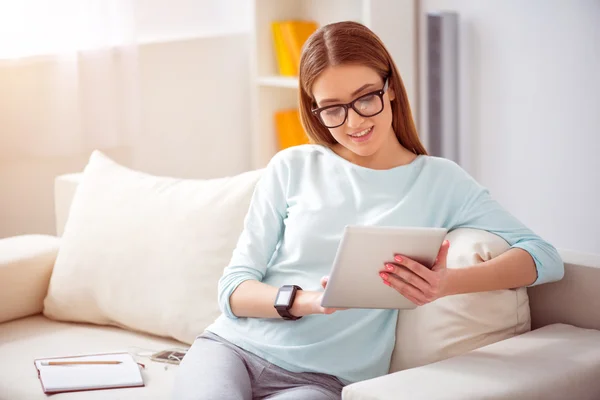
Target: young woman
{"points": [[366, 167]]}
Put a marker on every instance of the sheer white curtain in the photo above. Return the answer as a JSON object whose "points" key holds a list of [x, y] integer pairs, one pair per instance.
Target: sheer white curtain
{"points": [[68, 76]]}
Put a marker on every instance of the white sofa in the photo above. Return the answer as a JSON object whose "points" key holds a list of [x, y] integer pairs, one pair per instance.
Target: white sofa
{"points": [[558, 359]]}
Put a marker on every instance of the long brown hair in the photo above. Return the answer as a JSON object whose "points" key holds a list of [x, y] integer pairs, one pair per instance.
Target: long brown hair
{"points": [[352, 43]]}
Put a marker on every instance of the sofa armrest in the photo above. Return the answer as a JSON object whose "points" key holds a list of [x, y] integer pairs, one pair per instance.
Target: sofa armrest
{"points": [[573, 300], [26, 264], [554, 362]]}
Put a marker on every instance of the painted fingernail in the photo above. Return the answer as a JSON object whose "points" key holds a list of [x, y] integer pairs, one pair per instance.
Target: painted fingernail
{"points": [[389, 267], [398, 258], [383, 276], [387, 283], [447, 242]]}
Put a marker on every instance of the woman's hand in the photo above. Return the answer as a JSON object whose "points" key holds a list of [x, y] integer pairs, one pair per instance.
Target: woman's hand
{"points": [[416, 282], [308, 302]]}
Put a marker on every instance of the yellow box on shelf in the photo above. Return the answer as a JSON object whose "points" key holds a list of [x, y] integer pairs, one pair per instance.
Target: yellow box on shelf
{"points": [[289, 129], [284, 58], [288, 38]]}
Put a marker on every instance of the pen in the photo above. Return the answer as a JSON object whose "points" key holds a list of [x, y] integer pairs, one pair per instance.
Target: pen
{"points": [[79, 362]]}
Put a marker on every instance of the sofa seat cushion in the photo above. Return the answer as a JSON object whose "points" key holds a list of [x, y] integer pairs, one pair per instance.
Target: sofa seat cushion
{"points": [[23, 340], [554, 362]]}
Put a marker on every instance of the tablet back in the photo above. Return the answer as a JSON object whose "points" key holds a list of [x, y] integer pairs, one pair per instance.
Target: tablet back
{"points": [[363, 251]]}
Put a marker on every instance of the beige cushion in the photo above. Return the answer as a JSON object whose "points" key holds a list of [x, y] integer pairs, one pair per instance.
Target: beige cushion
{"points": [[556, 362], [454, 325], [25, 266], [146, 252], [24, 340]]}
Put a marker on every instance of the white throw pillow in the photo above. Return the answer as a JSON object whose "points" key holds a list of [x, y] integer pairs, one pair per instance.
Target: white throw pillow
{"points": [[146, 252], [457, 324]]}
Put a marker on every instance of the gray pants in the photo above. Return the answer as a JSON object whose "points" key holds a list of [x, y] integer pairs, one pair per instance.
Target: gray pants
{"points": [[215, 369]]}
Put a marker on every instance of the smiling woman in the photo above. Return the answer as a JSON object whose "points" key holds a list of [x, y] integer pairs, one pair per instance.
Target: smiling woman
{"points": [[362, 127], [353, 88], [366, 166]]}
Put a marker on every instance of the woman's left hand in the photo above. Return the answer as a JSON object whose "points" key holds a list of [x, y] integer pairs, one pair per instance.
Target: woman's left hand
{"points": [[416, 282]]}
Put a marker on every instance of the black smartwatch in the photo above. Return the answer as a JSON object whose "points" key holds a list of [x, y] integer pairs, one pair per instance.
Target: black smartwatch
{"points": [[285, 300]]}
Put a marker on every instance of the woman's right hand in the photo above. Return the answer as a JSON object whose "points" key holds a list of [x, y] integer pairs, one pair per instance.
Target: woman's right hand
{"points": [[308, 302]]}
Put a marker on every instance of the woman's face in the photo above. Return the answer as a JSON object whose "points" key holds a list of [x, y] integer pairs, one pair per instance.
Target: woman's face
{"points": [[343, 84]]}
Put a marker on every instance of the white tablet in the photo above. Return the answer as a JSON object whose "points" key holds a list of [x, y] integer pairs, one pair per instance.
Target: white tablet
{"points": [[354, 281]]}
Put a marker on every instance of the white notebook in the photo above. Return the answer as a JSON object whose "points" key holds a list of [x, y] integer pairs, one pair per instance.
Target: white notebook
{"points": [[69, 378]]}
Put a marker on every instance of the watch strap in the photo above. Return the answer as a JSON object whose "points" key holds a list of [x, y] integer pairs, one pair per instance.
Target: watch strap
{"points": [[285, 314]]}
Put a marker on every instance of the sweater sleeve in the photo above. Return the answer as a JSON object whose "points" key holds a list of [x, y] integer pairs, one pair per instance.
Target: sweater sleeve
{"points": [[262, 232], [478, 210]]}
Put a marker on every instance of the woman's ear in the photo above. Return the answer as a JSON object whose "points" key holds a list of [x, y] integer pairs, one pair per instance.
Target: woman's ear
{"points": [[391, 93]]}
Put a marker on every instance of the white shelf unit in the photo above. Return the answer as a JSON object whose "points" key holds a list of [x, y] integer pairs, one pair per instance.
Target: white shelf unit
{"points": [[394, 21]]}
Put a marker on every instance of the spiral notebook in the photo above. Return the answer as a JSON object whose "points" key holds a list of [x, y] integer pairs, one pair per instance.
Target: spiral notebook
{"points": [[79, 377]]}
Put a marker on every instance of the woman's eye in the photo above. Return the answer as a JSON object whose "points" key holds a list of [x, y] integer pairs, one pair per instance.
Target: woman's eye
{"points": [[332, 112], [366, 101]]}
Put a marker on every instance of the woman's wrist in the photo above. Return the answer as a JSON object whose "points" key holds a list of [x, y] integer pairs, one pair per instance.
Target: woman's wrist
{"points": [[305, 303], [453, 277]]}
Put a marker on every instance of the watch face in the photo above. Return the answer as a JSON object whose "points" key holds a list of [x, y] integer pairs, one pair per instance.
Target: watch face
{"points": [[283, 298]]}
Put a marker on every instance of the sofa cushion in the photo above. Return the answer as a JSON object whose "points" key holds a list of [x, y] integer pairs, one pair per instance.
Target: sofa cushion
{"points": [[26, 339], [454, 325], [555, 362], [146, 252]]}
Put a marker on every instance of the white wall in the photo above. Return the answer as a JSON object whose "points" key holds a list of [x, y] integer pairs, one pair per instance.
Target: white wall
{"points": [[160, 20], [530, 110], [195, 107]]}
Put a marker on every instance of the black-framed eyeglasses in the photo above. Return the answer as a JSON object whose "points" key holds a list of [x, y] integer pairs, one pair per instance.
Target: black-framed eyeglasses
{"points": [[367, 105]]}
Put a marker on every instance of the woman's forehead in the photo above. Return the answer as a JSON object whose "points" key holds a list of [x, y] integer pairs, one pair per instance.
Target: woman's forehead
{"points": [[341, 81]]}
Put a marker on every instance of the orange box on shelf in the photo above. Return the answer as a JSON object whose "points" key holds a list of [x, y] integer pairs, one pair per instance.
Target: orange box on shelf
{"points": [[289, 129]]}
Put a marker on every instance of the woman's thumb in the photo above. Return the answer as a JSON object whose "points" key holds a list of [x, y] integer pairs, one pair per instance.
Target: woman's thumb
{"points": [[324, 281]]}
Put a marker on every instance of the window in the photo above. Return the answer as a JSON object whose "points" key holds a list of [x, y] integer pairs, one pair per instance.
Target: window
{"points": [[40, 27]]}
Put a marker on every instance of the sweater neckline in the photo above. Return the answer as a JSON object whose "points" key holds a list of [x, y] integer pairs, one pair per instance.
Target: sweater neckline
{"points": [[357, 167]]}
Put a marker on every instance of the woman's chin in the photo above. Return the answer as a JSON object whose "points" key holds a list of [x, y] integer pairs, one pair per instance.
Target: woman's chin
{"points": [[363, 149]]}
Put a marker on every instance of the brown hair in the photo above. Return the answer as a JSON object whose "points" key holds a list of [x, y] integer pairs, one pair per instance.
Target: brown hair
{"points": [[352, 43]]}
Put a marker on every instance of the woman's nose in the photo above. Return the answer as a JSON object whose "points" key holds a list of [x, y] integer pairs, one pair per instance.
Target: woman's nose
{"points": [[354, 119]]}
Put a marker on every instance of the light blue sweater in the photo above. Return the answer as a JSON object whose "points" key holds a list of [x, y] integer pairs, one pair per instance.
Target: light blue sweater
{"points": [[291, 233]]}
